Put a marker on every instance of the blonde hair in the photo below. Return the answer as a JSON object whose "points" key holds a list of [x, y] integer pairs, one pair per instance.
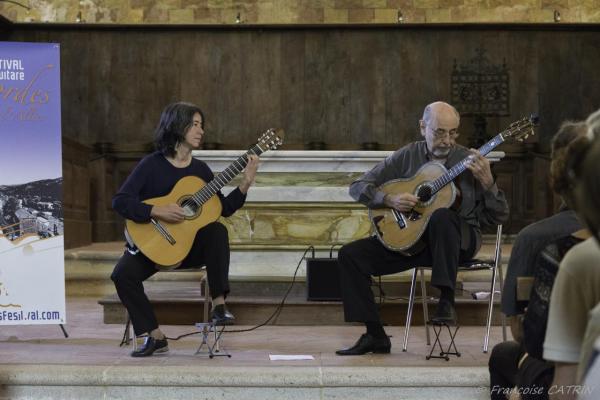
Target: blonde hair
{"points": [[593, 123]]}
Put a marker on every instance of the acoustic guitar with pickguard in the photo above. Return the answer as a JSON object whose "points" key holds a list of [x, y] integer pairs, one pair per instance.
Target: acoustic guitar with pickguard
{"points": [[434, 187], [167, 244]]}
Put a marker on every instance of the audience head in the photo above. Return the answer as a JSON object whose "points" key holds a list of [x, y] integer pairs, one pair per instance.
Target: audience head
{"points": [[593, 123], [560, 181], [586, 173]]}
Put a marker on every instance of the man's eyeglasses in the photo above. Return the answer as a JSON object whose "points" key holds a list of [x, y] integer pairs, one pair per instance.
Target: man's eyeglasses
{"points": [[442, 133]]}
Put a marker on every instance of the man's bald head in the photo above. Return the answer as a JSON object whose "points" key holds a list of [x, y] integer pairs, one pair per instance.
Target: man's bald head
{"points": [[439, 127], [439, 107]]}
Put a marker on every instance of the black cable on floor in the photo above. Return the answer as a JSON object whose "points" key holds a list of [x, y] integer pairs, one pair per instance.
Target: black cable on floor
{"points": [[280, 306], [275, 313]]}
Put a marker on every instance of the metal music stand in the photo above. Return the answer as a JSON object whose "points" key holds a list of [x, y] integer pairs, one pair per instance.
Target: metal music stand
{"points": [[437, 330], [213, 349]]}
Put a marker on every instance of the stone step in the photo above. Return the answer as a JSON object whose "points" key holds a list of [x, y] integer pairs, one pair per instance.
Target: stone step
{"points": [[88, 269], [182, 304], [70, 382]]}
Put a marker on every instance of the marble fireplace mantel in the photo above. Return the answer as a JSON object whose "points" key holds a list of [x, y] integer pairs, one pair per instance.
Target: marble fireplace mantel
{"points": [[333, 171]]}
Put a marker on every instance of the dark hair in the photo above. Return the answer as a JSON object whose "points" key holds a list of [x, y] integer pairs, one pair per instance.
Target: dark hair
{"points": [[586, 175], [174, 122], [568, 133], [588, 189], [571, 169]]}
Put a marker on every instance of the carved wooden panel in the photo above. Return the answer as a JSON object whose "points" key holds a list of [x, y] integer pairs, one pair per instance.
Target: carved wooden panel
{"points": [[340, 86], [76, 194], [343, 86]]}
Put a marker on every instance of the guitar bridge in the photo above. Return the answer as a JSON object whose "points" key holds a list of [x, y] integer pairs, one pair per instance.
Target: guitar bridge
{"points": [[163, 232], [399, 218]]}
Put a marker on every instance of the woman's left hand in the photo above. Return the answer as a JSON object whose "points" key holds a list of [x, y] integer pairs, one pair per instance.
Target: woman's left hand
{"points": [[249, 173]]}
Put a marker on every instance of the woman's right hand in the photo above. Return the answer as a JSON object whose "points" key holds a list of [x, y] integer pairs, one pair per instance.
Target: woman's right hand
{"points": [[169, 213]]}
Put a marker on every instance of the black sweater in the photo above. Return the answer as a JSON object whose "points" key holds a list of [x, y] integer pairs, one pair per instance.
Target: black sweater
{"points": [[155, 176]]}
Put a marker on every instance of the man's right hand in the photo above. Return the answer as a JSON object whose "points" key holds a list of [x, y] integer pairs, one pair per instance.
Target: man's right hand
{"points": [[170, 213], [402, 202]]}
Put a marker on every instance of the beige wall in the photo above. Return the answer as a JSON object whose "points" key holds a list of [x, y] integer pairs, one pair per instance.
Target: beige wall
{"points": [[301, 11]]}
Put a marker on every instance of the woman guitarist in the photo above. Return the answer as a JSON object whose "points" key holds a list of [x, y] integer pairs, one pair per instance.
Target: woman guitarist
{"points": [[179, 131]]}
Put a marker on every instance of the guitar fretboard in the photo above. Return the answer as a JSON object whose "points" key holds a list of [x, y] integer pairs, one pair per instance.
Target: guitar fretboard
{"points": [[460, 167], [225, 176]]}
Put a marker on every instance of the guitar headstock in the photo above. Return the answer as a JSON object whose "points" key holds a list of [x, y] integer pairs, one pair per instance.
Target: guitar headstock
{"points": [[271, 139], [522, 128]]}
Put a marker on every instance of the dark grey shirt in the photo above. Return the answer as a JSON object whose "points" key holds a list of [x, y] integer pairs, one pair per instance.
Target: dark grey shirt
{"points": [[478, 207], [527, 246]]}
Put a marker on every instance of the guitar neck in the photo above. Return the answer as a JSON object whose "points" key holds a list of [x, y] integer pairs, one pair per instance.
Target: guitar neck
{"points": [[460, 167], [225, 176]]}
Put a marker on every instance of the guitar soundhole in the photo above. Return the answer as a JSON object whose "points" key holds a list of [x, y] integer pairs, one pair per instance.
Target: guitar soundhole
{"points": [[424, 193], [190, 208]]}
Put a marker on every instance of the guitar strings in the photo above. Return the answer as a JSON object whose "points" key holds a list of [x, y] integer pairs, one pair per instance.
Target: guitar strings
{"points": [[204, 194], [459, 168]]}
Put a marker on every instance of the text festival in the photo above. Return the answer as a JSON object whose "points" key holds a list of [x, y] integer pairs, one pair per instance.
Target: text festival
{"points": [[13, 96]]}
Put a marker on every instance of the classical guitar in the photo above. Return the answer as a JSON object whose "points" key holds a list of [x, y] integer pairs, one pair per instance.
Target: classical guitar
{"points": [[432, 184], [167, 244]]}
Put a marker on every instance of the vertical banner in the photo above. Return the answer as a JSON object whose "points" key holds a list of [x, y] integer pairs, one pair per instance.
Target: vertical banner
{"points": [[32, 271]]}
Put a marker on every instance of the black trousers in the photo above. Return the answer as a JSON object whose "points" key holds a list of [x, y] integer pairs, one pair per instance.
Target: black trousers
{"points": [[360, 260], [210, 248], [503, 366], [533, 378]]}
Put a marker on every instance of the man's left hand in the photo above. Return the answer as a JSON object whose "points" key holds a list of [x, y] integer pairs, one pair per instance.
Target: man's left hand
{"points": [[480, 167]]}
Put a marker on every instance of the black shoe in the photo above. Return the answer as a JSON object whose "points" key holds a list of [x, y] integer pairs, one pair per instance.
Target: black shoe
{"points": [[367, 344], [221, 316], [444, 313], [151, 346]]}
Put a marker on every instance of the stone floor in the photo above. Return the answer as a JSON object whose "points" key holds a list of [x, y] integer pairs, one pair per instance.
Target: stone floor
{"points": [[91, 342]]}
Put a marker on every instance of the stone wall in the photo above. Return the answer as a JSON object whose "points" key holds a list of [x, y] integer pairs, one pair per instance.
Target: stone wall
{"points": [[301, 11]]}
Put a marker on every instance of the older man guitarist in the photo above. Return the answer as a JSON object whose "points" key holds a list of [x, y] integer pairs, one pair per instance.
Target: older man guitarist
{"points": [[452, 234]]}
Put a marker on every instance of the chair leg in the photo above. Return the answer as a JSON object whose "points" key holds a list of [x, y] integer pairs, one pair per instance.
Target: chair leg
{"points": [[502, 316], [131, 333], [486, 339], [206, 298], [425, 306], [411, 302]]}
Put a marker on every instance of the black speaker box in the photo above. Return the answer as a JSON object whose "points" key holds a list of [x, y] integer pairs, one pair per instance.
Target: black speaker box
{"points": [[322, 279]]}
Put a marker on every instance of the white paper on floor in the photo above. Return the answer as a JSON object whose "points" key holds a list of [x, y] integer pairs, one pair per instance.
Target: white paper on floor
{"points": [[290, 357]]}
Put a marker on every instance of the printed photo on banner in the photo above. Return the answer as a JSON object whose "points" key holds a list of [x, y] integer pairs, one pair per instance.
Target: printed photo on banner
{"points": [[32, 284]]}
